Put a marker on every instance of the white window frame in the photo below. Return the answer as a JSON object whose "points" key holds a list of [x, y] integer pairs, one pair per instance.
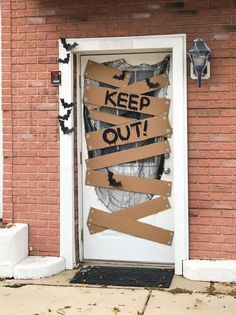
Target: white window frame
{"points": [[112, 45]]}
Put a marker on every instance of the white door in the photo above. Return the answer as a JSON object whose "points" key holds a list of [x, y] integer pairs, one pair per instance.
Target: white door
{"points": [[128, 245]]}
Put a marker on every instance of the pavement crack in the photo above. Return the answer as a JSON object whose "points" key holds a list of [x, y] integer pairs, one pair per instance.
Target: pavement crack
{"points": [[14, 286], [146, 303]]}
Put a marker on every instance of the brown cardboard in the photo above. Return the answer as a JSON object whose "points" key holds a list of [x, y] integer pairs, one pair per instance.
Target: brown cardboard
{"points": [[136, 212], [144, 129], [110, 118], [125, 100], [148, 85], [131, 227], [128, 98], [126, 156], [130, 183], [99, 72]]}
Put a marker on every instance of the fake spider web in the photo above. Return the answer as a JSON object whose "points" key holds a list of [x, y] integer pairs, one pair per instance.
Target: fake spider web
{"points": [[151, 168]]}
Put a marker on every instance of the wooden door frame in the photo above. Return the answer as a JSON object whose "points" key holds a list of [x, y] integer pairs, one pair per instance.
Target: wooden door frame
{"points": [[113, 45]]}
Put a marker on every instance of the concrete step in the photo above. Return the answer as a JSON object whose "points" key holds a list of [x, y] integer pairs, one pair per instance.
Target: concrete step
{"points": [[210, 270], [13, 248], [36, 267]]}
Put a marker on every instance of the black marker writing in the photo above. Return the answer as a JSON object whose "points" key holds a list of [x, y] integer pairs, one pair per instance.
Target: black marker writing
{"points": [[133, 102], [145, 128], [122, 137], [136, 125], [111, 135]]}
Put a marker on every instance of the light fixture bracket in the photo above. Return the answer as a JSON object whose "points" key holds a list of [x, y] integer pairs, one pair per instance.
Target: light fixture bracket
{"points": [[206, 72], [199, 58]]}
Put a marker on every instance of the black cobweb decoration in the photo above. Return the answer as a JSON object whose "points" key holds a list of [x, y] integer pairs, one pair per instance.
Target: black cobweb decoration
{"points": [[152, 168]]}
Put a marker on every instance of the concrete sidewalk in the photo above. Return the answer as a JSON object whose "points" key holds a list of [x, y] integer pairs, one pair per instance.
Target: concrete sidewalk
{"points": [[56, 296]]}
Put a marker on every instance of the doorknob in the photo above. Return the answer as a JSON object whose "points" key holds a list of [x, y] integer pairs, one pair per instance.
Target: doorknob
{"points": [[166, 170]]}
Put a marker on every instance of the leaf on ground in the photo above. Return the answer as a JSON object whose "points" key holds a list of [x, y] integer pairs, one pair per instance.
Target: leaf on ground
{"points": [[115, 310], [61, 311]]}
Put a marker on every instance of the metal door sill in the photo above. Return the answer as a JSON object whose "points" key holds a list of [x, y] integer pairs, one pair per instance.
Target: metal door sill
{"points": [[126, 264]]}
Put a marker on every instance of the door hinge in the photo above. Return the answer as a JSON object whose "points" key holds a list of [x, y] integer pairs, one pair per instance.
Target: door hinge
{"points": [[82, 235], [80, 81], [80, 157]]}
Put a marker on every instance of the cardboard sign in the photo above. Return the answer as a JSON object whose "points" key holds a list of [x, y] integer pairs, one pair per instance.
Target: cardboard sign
{"points": [[121, 157], [136, 212], [117, 78], [131, 227], [121, 99], [127, 98], [129, 183], [137, 131], [99, 72], [110, 118], [148, 85]]}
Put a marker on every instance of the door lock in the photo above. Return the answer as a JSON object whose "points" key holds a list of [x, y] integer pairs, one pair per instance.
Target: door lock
{"points": [[166, 170]]}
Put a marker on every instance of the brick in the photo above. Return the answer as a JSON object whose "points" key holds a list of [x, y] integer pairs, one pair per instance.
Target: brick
{"points": [[36, 20], [32, 28]]}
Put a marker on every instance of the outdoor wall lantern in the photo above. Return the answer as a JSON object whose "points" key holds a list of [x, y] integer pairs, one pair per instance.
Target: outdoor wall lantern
{"points": [[200, 65]]}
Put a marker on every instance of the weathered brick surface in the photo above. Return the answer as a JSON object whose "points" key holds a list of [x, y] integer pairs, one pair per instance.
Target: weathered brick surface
{"points": [[30, 30]]}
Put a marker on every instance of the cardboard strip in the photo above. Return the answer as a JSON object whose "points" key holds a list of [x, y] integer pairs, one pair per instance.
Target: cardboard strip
{"points": [[148, 85], [136, 212], [128, 133], [110, 118], [125, 100], [99, 72], [129, 183], [131, 227], [127, 156], [115, 77]]}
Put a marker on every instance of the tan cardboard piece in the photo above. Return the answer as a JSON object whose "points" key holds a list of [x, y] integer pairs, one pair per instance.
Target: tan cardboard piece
{"points": [[136, 212], [122, 131], [148, 85], [131, 227], [110, 118], [127, 156], [128, 133], [121, 99], [115, 77], [99, 72], [130, 183]]}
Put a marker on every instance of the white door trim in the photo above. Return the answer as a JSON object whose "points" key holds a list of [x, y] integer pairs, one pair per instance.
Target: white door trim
{"points": [[174, 43]]}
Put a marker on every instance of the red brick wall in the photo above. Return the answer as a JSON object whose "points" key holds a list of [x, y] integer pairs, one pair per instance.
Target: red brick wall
{"points": [[31, 151]]}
